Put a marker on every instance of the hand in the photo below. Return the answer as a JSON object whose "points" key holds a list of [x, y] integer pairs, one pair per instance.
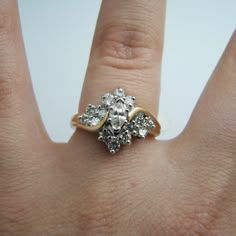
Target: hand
{"points": [[184, 186]]}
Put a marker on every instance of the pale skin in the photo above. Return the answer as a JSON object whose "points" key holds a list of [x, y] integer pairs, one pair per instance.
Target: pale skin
{"points": [[184, 186]]}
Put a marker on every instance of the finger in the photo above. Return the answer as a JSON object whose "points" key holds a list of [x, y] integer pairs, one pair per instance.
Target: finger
{"points": [[206, 150], [126, 52], [19, 117], [212, 127]]}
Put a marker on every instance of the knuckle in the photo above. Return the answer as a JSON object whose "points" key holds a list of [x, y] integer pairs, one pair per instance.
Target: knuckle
{"points": [[125, 47]]}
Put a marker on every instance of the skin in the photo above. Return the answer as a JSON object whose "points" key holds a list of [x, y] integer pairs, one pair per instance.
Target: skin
{"points": [[185, 186]]}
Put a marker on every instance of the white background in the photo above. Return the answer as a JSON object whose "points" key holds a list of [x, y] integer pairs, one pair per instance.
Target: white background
{"points": [[58, 36]]}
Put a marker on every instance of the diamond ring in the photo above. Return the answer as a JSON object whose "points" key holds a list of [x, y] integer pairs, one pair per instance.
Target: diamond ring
{"points": [[117, 120]]}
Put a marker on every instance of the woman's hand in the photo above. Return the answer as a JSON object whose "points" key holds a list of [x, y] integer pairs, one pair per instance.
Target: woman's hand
{"points": [[184, 186]]}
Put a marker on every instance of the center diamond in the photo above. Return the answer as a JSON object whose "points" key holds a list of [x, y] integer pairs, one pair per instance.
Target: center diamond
{"points": [[117, 122], [119, 108], [118, 115]]}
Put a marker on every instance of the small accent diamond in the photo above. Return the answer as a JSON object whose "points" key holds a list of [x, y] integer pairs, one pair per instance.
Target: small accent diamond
{"points": [[90, 109], [101, 112], [142, 132], [83, 119], [130, 100], [107, 99], [119, 92], [113, 145], [94, 121]]}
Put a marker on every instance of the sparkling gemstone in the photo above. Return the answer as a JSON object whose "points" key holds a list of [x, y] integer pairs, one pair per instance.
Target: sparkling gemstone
{"points": [[101, 113], [125, 137], [90, 109], [119, 92], [113, 145], [83, 119], [117, 122], [94, 121], [118, 108], [150, 124], [106, 133], [139, 121], [142, 132], [129, 100], [107, 99], [131, 126], [140, 116]]}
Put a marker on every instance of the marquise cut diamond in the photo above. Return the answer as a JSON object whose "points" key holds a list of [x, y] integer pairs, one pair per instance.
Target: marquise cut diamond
{"points": [[117, 122]]}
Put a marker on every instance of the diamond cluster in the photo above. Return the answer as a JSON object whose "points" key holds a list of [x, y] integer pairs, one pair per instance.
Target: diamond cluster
{"points": [[142, 125], [94, 114], [117, 129]]}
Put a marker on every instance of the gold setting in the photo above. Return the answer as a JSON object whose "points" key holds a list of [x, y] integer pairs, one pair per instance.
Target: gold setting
{"points": [[76, 123]]}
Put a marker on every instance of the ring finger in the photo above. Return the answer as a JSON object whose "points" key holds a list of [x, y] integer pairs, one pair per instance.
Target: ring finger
{"points": [[126, 52]]}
